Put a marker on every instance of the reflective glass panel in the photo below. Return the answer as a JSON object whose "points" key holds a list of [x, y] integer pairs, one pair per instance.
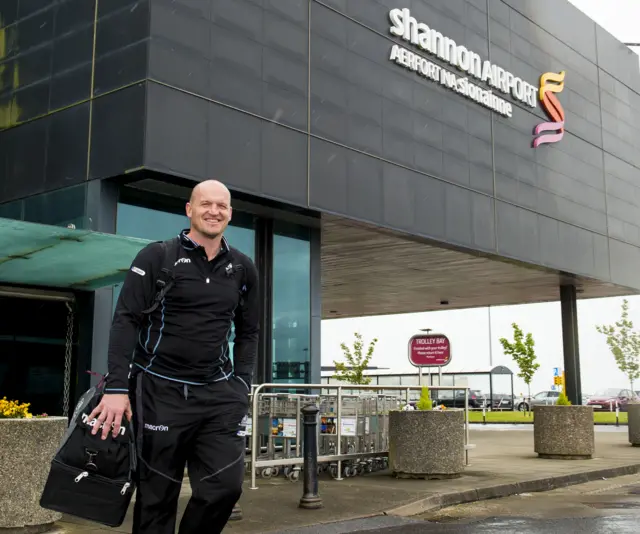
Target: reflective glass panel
{"points": [[291, 303]]}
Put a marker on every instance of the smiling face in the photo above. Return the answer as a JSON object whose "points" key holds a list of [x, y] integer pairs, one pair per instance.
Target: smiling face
{"points": [[209, 209]]}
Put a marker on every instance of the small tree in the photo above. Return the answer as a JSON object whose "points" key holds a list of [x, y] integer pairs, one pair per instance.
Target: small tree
{"points": [[523, 353], [425, 403], [352, 371], [624, 343]]}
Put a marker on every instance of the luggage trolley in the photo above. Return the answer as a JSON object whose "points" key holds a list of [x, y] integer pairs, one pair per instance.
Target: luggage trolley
{"points": [[361, 424], [279, 427], [328, 431], [373, 432], [247, 433], [385, 403]]}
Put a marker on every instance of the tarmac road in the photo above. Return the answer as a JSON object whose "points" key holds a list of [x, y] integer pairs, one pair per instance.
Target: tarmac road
{"points": [[601, 507]]}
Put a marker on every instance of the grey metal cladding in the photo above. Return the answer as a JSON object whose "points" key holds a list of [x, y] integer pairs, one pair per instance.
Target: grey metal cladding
{"points": [[195, 138], [117, 133], [298, 100], [618, 60], [242, 53], [410, 123], [551, 16]]}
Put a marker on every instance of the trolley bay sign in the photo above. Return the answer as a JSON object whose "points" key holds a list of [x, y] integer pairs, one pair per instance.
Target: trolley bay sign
{"points": [[429, 350], [433, 42]]}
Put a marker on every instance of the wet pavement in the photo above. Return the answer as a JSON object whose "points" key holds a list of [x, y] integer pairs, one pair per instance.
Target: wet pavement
{"points": [[604, 525], [503, 463], [599, 507]]}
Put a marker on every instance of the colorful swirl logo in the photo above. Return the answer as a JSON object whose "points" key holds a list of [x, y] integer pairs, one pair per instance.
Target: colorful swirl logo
{"points": [[553, 108]]}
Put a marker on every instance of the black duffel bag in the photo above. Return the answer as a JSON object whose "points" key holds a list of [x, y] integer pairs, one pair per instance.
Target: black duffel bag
{"points": [[92, 478]]}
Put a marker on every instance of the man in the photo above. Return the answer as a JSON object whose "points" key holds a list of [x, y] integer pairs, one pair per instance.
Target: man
{"points": [[186, 398]]}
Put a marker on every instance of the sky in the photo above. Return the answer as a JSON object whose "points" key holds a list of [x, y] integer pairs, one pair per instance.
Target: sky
{"points": [[468, 330], [619, 17]]}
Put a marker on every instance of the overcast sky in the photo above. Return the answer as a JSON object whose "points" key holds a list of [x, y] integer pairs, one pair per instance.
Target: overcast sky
{"points": [[619, 17], [469, 329]]}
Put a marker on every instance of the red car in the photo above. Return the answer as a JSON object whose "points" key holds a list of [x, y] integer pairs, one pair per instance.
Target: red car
{"points": [[607, 399]]}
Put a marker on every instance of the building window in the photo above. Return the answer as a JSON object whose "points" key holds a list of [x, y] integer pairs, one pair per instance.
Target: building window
{"points": [[291, 307], [411, 380]]}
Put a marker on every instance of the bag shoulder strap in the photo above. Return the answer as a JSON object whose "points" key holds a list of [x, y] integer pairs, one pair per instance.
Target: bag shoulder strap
{"points": [[239, 266], [165, 280]]}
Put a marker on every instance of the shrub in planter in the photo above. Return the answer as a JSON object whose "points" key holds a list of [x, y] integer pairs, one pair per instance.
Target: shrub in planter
{"points": [[424, 402], [426, 443], [28, 443], [563, 431], [633, 412]]}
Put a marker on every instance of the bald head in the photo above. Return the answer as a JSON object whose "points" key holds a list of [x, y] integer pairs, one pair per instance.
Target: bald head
{"points": [[209, 209], [210, 187]]}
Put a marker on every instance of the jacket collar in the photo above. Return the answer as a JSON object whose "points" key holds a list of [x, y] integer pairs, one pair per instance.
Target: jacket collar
{"points": [[190, 244]]}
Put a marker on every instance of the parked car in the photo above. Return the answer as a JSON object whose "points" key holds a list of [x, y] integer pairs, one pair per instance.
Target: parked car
{"points": [[543, 398], [449, 400], [500, 401], [608, 399]]}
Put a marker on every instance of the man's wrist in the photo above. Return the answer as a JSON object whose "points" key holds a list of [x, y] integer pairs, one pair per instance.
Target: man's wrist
{"points": [[116, 384]]}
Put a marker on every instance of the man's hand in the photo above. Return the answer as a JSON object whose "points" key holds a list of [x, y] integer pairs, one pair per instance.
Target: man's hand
{"points": [[110, 411]]}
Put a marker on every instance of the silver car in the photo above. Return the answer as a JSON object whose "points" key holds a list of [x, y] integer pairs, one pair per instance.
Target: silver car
{"points": [[543, 398]]}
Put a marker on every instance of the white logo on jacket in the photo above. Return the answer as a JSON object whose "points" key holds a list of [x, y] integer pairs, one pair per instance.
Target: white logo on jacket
{"points": [[182, 260], [85, 420], [156, 428]]}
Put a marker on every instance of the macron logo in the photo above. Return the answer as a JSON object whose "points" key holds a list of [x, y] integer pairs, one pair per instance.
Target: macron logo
{"points": [[182, 260], [156, 428], [94, 421]]}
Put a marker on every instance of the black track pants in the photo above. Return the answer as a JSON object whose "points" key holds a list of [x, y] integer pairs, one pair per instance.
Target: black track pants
{"points": [[196, 425]]}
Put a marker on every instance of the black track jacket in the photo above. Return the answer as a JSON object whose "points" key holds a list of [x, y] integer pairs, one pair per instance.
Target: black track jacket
{"points": [[187, 337]]}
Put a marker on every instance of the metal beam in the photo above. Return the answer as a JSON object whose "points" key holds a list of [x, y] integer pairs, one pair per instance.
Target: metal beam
{"points": [[569, 310], [35, 294], [264, 263]]}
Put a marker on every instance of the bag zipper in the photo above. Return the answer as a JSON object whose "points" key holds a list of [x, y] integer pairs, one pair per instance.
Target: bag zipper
{"points": [[99, 478]]}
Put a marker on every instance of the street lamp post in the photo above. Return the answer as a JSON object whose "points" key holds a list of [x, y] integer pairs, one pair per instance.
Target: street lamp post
{"points": [[427, 330]]}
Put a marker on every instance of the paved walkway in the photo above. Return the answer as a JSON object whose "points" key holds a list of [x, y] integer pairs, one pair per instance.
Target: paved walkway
{"points": [[502, 464]]}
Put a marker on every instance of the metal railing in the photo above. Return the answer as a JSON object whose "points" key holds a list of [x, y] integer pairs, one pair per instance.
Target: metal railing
{"points": [[339, 456]]}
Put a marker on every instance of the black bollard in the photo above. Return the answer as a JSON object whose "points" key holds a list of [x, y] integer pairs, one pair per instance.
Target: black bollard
{"points": [[236, 514], [310, 499]]}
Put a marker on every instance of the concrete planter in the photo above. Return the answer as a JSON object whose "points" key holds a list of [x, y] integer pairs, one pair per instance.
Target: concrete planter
{"points": [[426, 444], [564, 432], [633, 412], [27, 447]]}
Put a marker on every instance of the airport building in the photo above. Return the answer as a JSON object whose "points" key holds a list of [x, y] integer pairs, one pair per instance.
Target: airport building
{"points": [[383, 157]]}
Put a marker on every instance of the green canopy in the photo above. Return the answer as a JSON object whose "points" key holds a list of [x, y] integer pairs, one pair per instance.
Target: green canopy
{"points": [[42, 255]]}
